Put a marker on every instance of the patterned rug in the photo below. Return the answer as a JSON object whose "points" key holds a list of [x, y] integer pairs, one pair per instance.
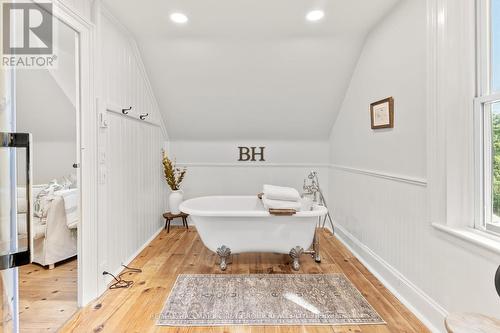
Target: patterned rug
{"points": [[276, 299]]}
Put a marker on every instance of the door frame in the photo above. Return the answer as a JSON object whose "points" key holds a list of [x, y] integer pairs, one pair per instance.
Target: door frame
{"points": [[87, 138]]}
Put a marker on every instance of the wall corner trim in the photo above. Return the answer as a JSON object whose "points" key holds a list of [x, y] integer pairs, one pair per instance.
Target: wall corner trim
{"points": [[416, 300], [384, 175]]}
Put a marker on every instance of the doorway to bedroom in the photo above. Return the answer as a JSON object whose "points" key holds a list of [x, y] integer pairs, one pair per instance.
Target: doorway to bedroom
{"points": [[47, 106]]}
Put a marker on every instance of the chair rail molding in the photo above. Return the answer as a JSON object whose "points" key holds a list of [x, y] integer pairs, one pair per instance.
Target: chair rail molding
{"points": [[450, 96], [384, 175], [252, 165]]}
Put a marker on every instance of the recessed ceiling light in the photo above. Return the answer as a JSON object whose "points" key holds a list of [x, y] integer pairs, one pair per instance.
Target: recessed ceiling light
{"points": [[179, 18], [315, 15]]}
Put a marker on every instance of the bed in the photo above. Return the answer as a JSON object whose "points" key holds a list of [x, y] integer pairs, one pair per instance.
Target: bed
{"points": [[55, 232]]}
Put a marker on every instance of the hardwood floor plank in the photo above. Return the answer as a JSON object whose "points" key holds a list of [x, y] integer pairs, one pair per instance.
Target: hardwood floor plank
{"points": [[127, 310], [374, 294], [95, 314], [182, 252], [47, 298]]}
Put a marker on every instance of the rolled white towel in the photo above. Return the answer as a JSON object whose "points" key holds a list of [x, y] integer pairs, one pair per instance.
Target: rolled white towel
{"points": [[281, 193], [280, 204]]}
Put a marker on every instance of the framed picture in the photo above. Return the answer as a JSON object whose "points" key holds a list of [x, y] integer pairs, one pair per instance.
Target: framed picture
{"points": [[382, 113]]}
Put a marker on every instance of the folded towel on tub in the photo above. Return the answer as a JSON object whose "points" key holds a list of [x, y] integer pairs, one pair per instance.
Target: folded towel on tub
{"points": [[281, 193], [280, 204]]}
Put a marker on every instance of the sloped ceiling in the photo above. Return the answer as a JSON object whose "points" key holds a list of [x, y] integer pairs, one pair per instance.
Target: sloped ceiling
{"points": [[249, 69]]}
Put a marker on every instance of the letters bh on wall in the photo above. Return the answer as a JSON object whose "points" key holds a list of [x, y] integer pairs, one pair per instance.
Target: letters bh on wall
{"points": [[251, 154]]}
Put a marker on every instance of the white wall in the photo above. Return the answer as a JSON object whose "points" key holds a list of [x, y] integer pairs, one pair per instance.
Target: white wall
{"points": [[378, 181], [213, 166], [53, 160], [44, 110], [260, 70]]}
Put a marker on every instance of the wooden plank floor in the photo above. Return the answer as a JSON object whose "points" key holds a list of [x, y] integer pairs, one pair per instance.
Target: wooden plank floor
{"points": [[181, 251], [47, 298]]}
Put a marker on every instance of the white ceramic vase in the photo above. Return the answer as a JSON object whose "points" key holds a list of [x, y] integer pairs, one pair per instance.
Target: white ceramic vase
{"points": [[175, 200]]}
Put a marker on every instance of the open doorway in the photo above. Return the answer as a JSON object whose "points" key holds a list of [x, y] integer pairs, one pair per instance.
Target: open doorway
{"points": [[48, 107]]}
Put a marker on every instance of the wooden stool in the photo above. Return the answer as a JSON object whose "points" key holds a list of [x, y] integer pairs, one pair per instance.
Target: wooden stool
{"points": [[471, 323], [169, 217]]}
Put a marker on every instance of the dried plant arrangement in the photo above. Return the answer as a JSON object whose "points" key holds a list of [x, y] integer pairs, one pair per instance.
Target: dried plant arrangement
{"points": [[173, 175]]}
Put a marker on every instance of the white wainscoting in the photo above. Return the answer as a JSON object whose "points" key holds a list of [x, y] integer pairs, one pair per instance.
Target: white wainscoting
{"points": [[135, 196], [384, 223], [228, 179], [213, 167]]}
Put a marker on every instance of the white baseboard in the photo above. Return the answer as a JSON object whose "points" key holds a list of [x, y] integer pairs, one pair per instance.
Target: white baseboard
{"points": [[132, 257], [139, 250], [417, 301]]}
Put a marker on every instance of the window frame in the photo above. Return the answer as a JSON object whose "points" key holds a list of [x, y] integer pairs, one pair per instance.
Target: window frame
{"points": [[484, 162], [482, 118]]}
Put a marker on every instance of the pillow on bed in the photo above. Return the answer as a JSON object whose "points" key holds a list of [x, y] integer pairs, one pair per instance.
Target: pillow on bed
{"points": [[69, 182], [43, 198]]}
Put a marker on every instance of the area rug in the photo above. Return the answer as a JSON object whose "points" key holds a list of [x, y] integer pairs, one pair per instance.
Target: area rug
{"points": [[273, 299]]}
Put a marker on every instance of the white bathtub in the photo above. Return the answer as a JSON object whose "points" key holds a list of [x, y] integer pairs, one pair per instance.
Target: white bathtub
{"points": [[239, 224]]}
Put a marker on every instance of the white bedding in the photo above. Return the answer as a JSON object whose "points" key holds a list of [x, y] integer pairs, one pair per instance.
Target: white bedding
{"points": [[71, 199]]}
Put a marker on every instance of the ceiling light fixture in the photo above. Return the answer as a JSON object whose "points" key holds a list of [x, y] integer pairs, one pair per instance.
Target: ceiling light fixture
{"points": [[315, 15], [179, 18]]}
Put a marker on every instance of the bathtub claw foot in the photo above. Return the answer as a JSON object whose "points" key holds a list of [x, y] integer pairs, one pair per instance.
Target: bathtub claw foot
{"points": [[295, 254], [316, 255], [223, 252], [317, 258]]}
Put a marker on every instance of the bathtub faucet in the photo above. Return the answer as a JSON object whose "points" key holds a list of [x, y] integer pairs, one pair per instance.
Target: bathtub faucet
{"points": [[313, 188]]}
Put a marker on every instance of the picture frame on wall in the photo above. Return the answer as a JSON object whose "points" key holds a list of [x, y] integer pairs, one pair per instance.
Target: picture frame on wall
{"points": [[382, 113]]}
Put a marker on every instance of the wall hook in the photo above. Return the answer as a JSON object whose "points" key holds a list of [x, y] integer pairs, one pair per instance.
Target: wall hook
{"points": [[125, 111], [143, 116]]}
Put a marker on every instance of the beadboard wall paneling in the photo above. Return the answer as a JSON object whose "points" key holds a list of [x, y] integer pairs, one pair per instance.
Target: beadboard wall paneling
{"points": [[213, 167], [385, 223], [131, 180], [125, 82], [135, 189], [203, 180]]}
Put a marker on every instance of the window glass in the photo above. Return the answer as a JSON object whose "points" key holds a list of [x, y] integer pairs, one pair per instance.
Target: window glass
{"points": [[495, 133]]}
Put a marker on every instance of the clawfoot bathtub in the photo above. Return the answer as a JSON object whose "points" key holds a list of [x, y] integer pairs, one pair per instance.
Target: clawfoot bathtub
{"points": [[239, 224]]}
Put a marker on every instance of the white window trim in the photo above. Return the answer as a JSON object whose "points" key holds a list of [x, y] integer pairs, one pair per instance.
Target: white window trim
{"points": [[451, 123], [483, 206], [479, 238], [482, 160], [483, 43]]}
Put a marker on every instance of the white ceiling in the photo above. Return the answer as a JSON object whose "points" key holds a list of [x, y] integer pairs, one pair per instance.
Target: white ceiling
{"points": [[249, 69]]}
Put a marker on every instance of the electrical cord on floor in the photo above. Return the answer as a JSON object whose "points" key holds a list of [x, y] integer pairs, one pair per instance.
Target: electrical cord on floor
{"points": [[120, 282]]}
